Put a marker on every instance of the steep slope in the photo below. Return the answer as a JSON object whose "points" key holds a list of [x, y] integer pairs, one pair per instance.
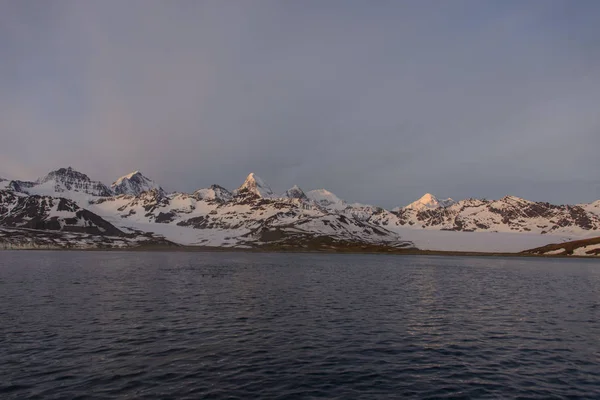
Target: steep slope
{"points": [[134, 183], [254, 186]]}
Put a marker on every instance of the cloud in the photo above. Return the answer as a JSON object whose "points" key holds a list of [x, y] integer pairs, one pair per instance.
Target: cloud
{"points": [[378, 104]]}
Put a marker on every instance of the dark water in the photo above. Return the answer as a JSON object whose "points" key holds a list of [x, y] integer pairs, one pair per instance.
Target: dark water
{"points": [[194, 325]]}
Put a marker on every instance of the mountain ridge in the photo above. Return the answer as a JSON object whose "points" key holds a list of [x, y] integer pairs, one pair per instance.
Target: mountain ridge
{"points": [[253, 215]]}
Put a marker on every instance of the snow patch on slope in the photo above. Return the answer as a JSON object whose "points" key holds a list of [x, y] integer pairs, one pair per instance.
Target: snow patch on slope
{"points": [[215, 192], [592, 207]]}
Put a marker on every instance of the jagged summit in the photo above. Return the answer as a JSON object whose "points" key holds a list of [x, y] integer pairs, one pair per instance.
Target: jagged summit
{"points": [[134, 184], [64, 174], [295, 193], [68, 179], [255, 185], [429, 202]]}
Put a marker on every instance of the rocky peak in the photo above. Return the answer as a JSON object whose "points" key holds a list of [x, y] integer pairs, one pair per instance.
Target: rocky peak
{"points": [[295, 193], [256, 186], [68, 179], [135, 183], [429, 202], [65, 175]]}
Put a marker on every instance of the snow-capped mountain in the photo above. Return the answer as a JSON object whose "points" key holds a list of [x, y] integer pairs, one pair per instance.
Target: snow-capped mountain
{"points": [[214, 192], [326, 199], [242, 221], [134, 183], [254, 185], [429, 202], [295, 193], [64, 182], [67, 201], [509, 214], [68, 180]]}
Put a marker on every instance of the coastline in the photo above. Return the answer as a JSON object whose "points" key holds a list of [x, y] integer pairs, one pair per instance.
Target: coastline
{"points": [[382, 251]]}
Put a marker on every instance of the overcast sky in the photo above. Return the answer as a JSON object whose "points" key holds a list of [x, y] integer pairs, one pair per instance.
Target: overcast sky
{"points": [[377, 101]]}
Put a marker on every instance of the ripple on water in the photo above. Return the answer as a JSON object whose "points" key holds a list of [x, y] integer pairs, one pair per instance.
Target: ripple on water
{"points": [[191, 325]]}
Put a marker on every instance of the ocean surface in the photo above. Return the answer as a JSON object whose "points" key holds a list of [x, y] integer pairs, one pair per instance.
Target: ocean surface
{"points": [[107, 325]]}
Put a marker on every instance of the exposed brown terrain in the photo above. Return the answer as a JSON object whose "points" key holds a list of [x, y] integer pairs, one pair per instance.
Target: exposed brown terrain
{"points": [[568, 248]]}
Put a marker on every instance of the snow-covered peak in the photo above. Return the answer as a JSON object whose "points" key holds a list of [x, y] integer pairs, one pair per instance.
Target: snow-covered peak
{"points": [[429, 202], [134, 184], [67, 180], [215, 192], [64, 174], [255, 185], [326, 199], [593, 207], [295, 193]]}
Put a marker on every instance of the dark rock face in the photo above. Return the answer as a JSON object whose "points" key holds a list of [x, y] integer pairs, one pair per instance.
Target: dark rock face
{"points": [[163, 218], [296, 193]]}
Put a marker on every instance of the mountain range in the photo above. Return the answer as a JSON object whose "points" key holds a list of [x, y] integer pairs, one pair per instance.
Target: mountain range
{"points": [[66, 208]]}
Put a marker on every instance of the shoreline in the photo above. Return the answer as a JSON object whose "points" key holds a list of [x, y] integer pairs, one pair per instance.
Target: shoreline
{"points": [[400, 252]]}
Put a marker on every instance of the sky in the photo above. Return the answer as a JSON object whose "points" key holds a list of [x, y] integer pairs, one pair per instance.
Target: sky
{"points": [[379, 102]]}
